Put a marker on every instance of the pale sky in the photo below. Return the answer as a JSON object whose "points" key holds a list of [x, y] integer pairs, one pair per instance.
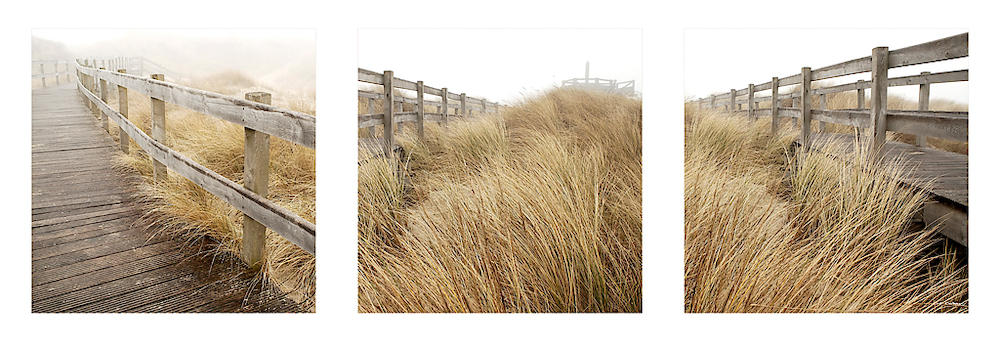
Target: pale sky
{"points": [[716, 60], [501, 64]]}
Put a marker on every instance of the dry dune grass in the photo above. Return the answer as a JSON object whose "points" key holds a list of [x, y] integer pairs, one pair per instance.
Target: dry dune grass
{"points": [[181, 208], [535, 209], [766, 231]]}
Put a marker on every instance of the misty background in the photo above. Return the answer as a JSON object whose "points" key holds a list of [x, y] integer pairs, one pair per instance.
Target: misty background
{"points": [[716, 60], [502, 65], [283, 60]]}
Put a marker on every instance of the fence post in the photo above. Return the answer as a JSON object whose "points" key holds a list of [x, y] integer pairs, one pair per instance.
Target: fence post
{"points": [[420, 110], [387, 121], [371, 110], [104, 98], [444, 105], [464, 110], [879, 100], [805, 107], [123, 140], [861, 96], [41, 66], [732, 100], [923, 103], [159, 131], [822, 106], [484, 105], [774, 106], [55, 66], [711, 104], [256, 168], [750, 105]]}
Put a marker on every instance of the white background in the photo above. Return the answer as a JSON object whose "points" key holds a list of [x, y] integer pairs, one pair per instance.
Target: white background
{"points": [[662, 322]]}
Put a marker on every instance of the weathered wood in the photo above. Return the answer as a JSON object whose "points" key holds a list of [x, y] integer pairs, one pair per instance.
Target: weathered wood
{"points": [[465, 112], [282, 221], [123, 142], [256, 169], [420, 110], [822, 106], [388, 125], [953, 222], [41, 68], [861, 95], [444, 105], [93, 254], [750, 106], [942, 49], [923, 104], [104, 98], [879, 98], [946, 125], [158, 130], [774, 106], [806, 107], [293, 126], [732, 100]]}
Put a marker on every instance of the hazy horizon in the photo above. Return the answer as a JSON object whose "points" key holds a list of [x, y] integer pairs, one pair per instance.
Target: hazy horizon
{"points": [[716, 60], [502, 65]]}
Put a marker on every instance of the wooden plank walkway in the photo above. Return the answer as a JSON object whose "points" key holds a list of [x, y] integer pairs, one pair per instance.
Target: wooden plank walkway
{"points": [[943, 175], [88, 254]]}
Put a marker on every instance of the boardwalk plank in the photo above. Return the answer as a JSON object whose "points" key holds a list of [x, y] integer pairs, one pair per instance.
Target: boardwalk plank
{"points": [[89, 254]]}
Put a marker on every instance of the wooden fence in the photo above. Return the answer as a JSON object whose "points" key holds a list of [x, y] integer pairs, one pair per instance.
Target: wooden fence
{"points": [[259, 120], [877, 119], [52, 72], [393, 105]]}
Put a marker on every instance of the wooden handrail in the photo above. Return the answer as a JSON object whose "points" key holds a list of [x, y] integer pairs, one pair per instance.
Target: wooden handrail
{"points": [[253, 114], [922, 123]]}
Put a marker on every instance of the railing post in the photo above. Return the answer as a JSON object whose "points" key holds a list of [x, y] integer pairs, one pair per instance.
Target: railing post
{"points": [[711, 104], [256, 168], [806, 108], [484, 105], [104, 98], [41, 66], [923, 104], [159, 131], [444, 105], [750, 102], [732, 100], [123, 139], [822, 106], [55, 66], [420, 110], [774, 106], [387, 121], [879, 99], [464, 110], [371, 110]]}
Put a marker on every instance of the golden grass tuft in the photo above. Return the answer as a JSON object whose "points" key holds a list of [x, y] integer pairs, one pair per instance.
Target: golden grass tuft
{"points": [[179, 207], [768, 231], [536, 209]]}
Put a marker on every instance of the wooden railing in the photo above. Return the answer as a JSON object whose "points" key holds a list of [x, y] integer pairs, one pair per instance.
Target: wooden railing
{"points": [[392, 105], [53, 72], [877, 118], [259, 120]]}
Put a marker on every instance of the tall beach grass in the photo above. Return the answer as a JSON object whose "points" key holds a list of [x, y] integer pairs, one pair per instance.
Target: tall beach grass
{"points": [[534, 209]]}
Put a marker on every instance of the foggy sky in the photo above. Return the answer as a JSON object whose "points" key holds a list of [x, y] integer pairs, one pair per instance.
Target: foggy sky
{"points": [[716, 60], [501, 64]]}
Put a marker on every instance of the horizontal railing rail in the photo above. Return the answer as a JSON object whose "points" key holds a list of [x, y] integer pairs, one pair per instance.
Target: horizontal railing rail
{"points": [[877, 117], [393, 106], [43, 75], [259, 120]]}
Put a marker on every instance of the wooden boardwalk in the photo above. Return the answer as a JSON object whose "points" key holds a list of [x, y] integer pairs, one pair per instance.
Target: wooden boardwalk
{"points": [[88, 254], [943, 175]]}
